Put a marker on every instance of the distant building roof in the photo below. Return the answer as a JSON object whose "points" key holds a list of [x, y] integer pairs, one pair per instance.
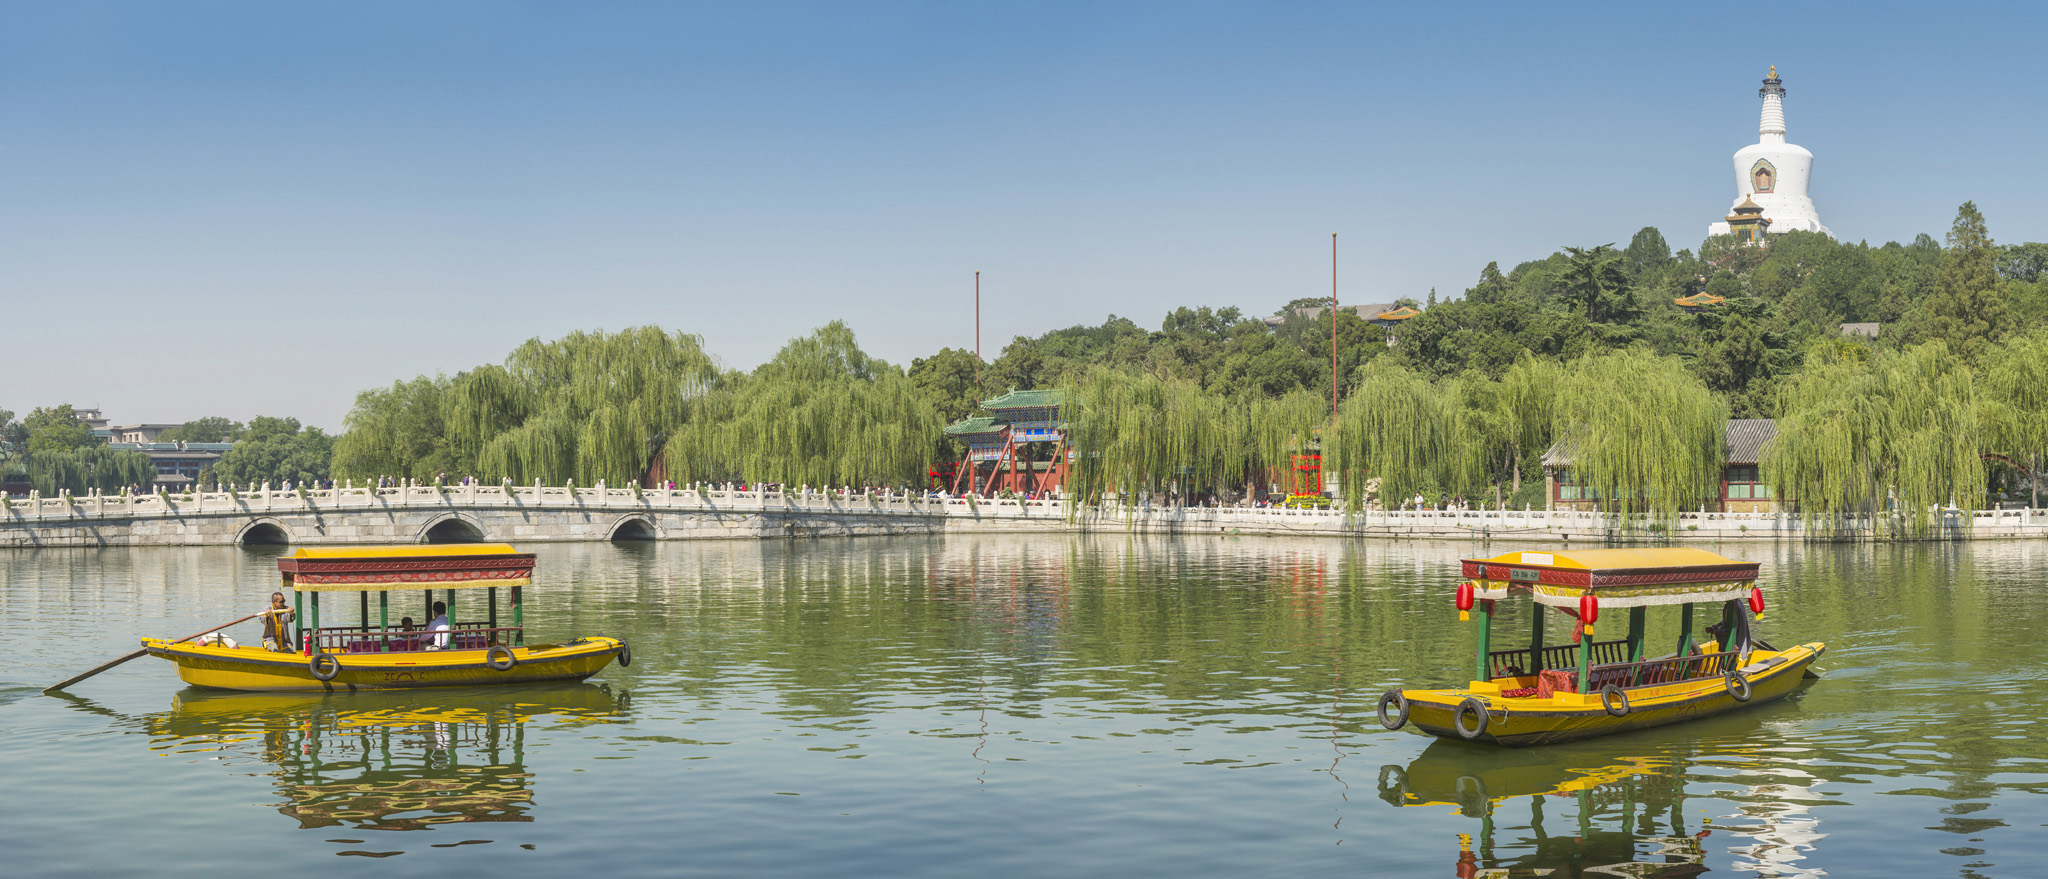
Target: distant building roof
{"points": [[156, 448], [1867, 330], [1747, 438], [1025, 400], [979, 424], [1311, 312]]}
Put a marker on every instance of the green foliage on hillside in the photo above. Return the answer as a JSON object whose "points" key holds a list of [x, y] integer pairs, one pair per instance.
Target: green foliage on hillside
{"points": [[1584, 346]]}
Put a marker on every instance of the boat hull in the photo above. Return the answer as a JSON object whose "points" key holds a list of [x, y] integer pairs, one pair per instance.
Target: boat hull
{"points": [[1517, 722], [254, 669]]}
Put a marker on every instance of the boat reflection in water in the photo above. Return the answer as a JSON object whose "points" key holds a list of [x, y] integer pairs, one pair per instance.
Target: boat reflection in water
{"points": [[387, 760], [1619, 816], [1630, 812]]}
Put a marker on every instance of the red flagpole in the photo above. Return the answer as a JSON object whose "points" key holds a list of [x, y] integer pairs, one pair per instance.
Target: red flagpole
{"points": [[977, 328], [1333, 328]]}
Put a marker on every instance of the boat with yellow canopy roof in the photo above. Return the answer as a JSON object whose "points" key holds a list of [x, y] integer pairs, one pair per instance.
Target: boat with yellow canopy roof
{"points": [[1544, 694], [378, 656]]}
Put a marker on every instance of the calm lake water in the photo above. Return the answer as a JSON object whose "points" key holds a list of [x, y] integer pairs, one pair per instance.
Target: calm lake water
{"points": [[1019, 707]]}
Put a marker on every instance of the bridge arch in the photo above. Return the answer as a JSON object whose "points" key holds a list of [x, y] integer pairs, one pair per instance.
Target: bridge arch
{"points": [[263, 531], [633, 526], [451, 528]]}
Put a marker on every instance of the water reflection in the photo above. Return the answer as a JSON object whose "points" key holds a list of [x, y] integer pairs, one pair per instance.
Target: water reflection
{"points": [[407, 760], [1625, 817], [1591, 811], [907, 706]]}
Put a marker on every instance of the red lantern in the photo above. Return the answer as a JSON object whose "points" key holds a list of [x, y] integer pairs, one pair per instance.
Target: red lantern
{"points": [[1465, 596], [1589, 609], [1756, 600]]}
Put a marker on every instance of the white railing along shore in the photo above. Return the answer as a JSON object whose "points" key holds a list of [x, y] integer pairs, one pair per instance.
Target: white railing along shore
{"points": [[728, 499]]}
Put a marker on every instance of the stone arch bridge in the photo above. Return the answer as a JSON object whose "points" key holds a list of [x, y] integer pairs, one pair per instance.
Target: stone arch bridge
{"points": [[460, 514]]}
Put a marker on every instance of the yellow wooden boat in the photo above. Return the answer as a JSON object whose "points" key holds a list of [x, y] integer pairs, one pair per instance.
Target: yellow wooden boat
{"points": [[1545, 694], [379, 656]]}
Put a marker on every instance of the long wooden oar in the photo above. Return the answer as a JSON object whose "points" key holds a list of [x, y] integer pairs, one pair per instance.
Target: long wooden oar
{"points": [[137, 654]]}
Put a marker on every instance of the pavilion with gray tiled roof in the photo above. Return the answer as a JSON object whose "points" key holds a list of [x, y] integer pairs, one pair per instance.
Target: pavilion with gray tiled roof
{"points": [[1742, 489]]}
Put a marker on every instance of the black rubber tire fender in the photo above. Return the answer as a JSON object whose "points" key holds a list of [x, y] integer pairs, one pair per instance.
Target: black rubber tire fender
{"points": [[625, 654], [500, 658], [1611, 694], [1473, 706], [1400, 703], [332, 663], [1738, 685]]}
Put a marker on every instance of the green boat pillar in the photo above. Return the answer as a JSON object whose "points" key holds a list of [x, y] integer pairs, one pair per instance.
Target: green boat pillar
{"points": [[1535, 638], [518, 618], [1482, 670], [1728, 633], [1586, 660], [1684, 630], [384, 617], [298, 619], [315, 620], [1637, 617]]}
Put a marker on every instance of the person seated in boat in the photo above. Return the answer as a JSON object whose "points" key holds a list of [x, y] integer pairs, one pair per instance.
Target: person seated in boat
{"points": [[275, 619], [1715, 634], [437, 628]]}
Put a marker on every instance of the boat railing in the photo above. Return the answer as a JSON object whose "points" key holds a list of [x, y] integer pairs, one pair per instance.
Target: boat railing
{"points": [[1625, 674], [1513, 663], [1653, 672], [378, 639]]}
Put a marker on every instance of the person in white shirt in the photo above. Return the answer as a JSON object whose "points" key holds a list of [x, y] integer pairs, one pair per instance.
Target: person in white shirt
{"points": [[437, 629]]}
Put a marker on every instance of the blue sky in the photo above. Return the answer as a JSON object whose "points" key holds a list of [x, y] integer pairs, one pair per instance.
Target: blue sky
{"points": [[264, 208]]}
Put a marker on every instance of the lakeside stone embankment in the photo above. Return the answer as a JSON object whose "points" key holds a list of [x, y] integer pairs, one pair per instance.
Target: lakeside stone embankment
{"points": [[531, 514]]}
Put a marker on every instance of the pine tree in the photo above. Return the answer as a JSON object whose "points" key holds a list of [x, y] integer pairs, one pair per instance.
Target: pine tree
{"points": [[1967, 310]]}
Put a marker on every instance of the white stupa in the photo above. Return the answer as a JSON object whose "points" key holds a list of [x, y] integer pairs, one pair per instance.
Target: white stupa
{"points": [[1773, 174]]}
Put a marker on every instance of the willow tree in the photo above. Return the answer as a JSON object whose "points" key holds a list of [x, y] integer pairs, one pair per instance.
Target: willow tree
{"points": [[85, 469], [1134, 433], [1642, 431], [589, 406], [399, 431], [1897, 433], [1275, 429], [2014, 403], [1527, 407], [1398, 428], [821, 413]]}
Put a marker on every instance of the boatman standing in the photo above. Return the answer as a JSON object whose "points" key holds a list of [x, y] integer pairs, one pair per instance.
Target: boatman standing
{"points": [[276, 623]]}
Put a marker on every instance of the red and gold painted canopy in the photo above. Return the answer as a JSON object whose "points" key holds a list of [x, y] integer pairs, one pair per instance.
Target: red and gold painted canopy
{"points": [[1619, 577], [387, 568]]}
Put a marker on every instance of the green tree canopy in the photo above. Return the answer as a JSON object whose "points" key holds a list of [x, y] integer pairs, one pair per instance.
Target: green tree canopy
{"points": [[1889, 431], [57, 429], [587, 406], [1967, 310], [211, 429], [277, 450], [1642, 430], [1399, 428], [822, 412], [2014, 401]]}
